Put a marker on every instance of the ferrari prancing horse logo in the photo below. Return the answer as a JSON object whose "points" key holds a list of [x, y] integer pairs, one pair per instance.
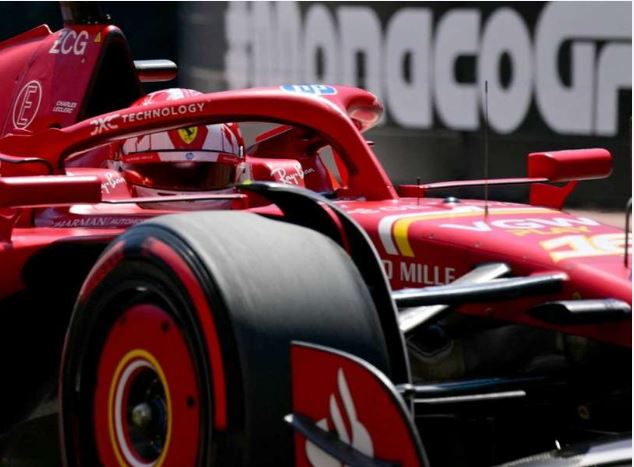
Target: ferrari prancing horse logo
{"points": [[188, 134]]}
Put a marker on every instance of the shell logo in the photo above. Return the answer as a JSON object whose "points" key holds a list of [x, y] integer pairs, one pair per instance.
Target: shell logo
{"points": [[345, 423]]}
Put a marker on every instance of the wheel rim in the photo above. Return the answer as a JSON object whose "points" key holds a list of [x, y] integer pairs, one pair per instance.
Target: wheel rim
{"points": [[146, 404], [145, 408], [139, 409]]}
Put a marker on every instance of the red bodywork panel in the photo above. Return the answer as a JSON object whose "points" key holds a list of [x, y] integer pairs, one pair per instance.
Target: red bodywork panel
{"points": [[50, 75], [429, 242], [47, 190]]}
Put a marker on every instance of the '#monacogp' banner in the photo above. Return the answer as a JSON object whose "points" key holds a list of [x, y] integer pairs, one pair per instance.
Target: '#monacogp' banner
{"points": [[559, 75], [429, 64]]}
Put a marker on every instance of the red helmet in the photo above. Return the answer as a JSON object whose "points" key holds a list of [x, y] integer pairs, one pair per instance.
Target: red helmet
{"points": [[197, 158]]}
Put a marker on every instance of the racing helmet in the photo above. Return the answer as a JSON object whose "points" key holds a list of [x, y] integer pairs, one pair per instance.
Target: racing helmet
{"points": [[185, 160]]}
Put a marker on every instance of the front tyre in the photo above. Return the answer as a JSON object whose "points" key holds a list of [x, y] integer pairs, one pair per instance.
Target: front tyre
{"points": [[178, 349]]}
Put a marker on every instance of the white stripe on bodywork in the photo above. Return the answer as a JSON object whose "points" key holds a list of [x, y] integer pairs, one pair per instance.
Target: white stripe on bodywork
{"points": [[386, 224]]}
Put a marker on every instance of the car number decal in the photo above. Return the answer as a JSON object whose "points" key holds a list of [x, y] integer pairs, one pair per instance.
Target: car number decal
{"points": [[582, 246]]}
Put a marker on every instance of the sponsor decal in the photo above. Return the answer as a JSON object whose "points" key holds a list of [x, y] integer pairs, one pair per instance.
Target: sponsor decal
{"points": [[175, 110], [103, 124], [106, 123], [140, 157], [98, 221], [529, 226], [394, 230], [112, 181], [346, 424], [428, 64], [27, 104], [65, 107], [418, 273], [70, 42], [188, 134], [310, 89], [356, 404], [228, 158], [583, 246], [295, 178]]}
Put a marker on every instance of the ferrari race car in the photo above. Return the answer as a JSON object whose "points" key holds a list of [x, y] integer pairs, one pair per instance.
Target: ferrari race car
{"points": [[193, 298]]}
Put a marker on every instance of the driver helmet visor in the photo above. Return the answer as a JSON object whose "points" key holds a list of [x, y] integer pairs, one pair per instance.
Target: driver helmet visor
{"points": [[191, 171]]}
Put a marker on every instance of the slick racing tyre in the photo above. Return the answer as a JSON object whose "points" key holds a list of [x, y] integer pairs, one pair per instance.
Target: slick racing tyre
{"points": [[177, 352]]}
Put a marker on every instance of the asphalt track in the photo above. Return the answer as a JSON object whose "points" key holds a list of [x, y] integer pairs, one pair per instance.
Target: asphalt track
{"points": [[35, 442]]}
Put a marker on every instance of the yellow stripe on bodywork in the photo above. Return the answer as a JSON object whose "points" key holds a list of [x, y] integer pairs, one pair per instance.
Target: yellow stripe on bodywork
{"points": [[400, 229]]}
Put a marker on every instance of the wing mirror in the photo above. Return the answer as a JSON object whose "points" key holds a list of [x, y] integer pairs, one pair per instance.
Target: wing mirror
{"points": [[568, 165], [565, 166]]}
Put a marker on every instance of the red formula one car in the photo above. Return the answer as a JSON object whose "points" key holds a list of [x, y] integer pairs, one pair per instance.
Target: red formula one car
{"points": [[216, 299]]}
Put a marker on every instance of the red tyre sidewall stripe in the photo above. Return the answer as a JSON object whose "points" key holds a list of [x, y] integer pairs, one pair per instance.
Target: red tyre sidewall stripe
{"points": [[102, 267], [345, 244], [179, 266]]}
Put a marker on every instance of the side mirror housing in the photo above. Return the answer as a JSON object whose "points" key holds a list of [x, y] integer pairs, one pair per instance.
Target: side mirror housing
{"points": [[565, 166], [568, 165]]}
